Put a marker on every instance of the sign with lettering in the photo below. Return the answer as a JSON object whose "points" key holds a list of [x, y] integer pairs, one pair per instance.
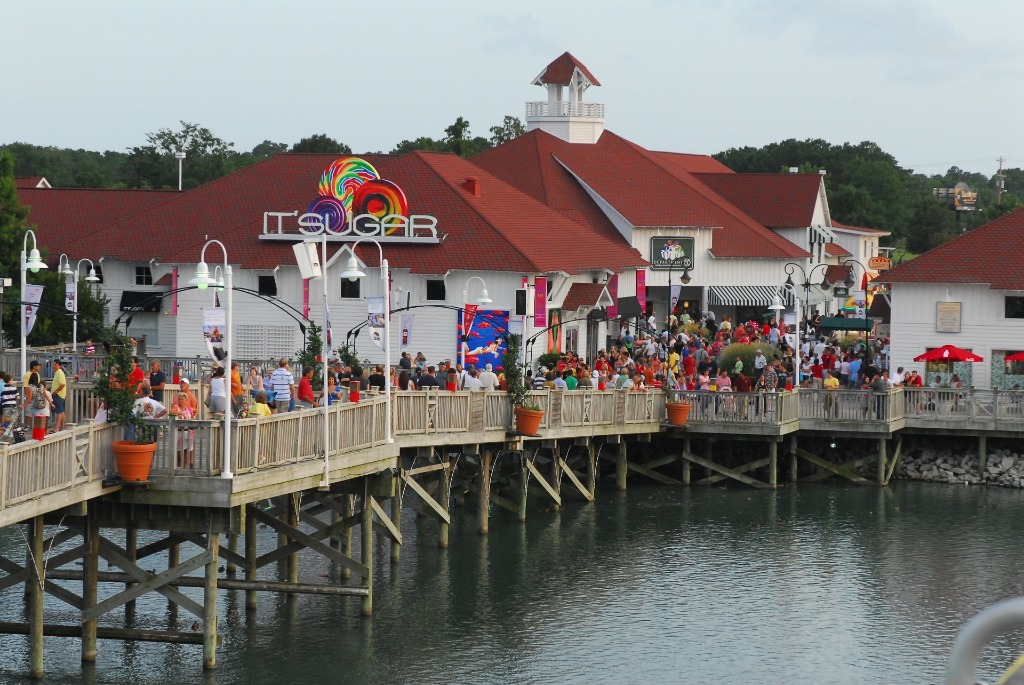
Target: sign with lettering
{"points": [[671, 253], [947, 317], [879, 263], [354, 202]]}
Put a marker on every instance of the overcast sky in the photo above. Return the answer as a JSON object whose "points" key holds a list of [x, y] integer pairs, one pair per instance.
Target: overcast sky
{"points": [[935, 84]]}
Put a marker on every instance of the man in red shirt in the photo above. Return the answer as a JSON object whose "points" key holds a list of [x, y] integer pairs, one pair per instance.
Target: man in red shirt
{"points": [[137, 376], [828, 359], [305, 396]]}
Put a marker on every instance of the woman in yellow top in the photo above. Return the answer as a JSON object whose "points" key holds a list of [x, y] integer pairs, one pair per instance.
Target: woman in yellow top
{"points": [[260, 406]]}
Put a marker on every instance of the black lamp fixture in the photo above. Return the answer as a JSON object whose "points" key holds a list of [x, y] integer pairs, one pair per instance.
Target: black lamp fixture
{"points": [[685, 278], [825, 285], [849, 279]]}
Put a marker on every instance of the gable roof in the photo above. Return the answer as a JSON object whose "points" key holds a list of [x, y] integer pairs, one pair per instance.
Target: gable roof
{"points": [[988, 254], [859, 229], [694, 164], [775, 200], [501, 229], [31, 182], [560, 71], [836, 250], [584, 295], [641, 185]]}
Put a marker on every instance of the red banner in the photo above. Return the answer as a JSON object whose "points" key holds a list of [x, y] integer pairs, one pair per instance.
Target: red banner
{"points": [[174, 291], [305, 298], [641, 289], [613, 290], [540, 302]]}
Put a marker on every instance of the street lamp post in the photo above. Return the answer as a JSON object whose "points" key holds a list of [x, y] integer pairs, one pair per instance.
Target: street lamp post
{"points": [[484, 299], [684, 279], [806, 284], [203, 280], [65, 268], [30, 261], [352, 272]]}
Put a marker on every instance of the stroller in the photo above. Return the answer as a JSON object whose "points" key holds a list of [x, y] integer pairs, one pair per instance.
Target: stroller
{"points": [[14, 428]]}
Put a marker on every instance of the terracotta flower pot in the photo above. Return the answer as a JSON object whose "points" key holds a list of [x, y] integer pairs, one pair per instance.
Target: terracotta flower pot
{"points": [[528, 420], [678, 412], [133, 460]]}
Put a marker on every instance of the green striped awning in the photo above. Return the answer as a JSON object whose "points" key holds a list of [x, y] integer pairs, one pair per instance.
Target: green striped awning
{"points": [[746, 295]]}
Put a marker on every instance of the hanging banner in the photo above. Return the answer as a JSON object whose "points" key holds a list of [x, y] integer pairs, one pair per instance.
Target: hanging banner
{"points": [[406, 330], [33, 294], [613, 290], [641, 289], [305, 298], [71, 295], [540, 302], [486, 337], [466, 318], [214, 333], [375, 317], [675, 296], [555, 333], [328, 332], [174, 291]]}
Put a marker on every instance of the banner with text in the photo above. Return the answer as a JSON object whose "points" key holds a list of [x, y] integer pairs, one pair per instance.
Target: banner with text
{"points": [[33, 295], [540, 302], [375, 318], [71, 295], [214, 333], [641, 289]]}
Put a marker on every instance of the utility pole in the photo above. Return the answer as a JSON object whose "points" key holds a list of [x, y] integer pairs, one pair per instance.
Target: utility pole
{"points": [[1000, 182]]}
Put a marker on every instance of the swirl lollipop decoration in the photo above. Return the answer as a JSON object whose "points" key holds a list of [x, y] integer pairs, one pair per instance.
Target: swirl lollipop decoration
{"points": [[380, 198], [344, 177], [332, 210]]}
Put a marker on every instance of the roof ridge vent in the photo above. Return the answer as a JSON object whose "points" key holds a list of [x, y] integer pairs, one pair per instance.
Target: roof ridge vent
{"points": [[472, 184]]}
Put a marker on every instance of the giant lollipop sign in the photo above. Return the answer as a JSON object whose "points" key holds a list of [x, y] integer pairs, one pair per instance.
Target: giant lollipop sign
{"points": [[354, 202]]}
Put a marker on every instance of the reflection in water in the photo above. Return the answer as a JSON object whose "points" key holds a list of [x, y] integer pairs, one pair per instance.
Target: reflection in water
{"points": [[823, 584]]}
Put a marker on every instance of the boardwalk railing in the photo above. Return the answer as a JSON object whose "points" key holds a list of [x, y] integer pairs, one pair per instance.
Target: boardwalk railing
{"points": [[852, 405], [77, 456], [739, 407]]}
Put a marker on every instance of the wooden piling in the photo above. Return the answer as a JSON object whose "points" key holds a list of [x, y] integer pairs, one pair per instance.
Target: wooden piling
{"points": [[773, 455], [483, 499], [396, 517], [131, 546], [524, 480], [348, 507], [90, 582], [210, 604], [250, 555], [35, 612], [293, 522], [591, 468], [794, 470], [556, 475], [686, 476], [443, 490], [882, 460], [366, 533], [620, 466], [232, 547]]}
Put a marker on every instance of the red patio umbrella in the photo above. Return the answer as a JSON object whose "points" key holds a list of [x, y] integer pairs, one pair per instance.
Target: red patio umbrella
{"points": [[1018, 357], [948, 353]]}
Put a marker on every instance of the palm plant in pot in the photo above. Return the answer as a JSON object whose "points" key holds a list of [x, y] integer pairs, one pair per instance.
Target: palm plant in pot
{"points": [[134, 454], [528, 414]]}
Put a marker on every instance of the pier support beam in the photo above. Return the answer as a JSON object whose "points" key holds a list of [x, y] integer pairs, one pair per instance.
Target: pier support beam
{"points": [[621, 467], [773, 456], [348, 510], [35, 611], [366, 535], [396, 518], [210, 604], [293, 522], [794, 470], [483, 500], [982, 455], [90, 581], [685, 462], [250, 555], [524, 483], [882, 459], [592, 468], [232, 547], [443, 498]]}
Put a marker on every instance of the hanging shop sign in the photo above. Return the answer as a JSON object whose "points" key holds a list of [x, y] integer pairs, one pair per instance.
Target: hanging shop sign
{"points": [[354, 202], [671, 253]]}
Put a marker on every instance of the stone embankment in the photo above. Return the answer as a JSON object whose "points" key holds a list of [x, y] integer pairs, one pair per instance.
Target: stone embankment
{"points": [[953, 464]]}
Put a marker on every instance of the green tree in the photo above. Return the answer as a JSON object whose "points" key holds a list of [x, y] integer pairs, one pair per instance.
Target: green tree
{"points": [[312, 355], [268, 148], [153, 165], [511, 127], [321, 143]]}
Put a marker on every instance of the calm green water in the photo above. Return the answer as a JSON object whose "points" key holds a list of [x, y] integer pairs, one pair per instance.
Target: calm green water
{"points": [[825, 584]]}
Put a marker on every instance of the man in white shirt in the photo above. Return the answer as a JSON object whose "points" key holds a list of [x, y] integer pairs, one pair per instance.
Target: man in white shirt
{"points": [[652, 322], [147, 406], [283, 384], [472, 382], [488, 380]]}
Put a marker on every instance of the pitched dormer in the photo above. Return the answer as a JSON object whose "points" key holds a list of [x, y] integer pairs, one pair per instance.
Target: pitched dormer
{"points": [[564, 114]]}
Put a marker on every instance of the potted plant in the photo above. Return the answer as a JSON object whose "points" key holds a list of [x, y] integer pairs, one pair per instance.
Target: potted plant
{"points": [[134, 454], [677, 407], [528, 415]]}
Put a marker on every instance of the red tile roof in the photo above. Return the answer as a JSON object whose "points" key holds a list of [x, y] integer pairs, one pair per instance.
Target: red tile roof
{"points": [[836, 250], [582, 295], [501, 229], [30, 182], [775, 200], [694, 164], [62, 215], [860, 229], [640, 185], [560, 71], [988, 254]]}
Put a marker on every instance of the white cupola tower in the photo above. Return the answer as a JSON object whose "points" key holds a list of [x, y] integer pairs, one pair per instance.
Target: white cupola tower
{"points": [[564, 114]]}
